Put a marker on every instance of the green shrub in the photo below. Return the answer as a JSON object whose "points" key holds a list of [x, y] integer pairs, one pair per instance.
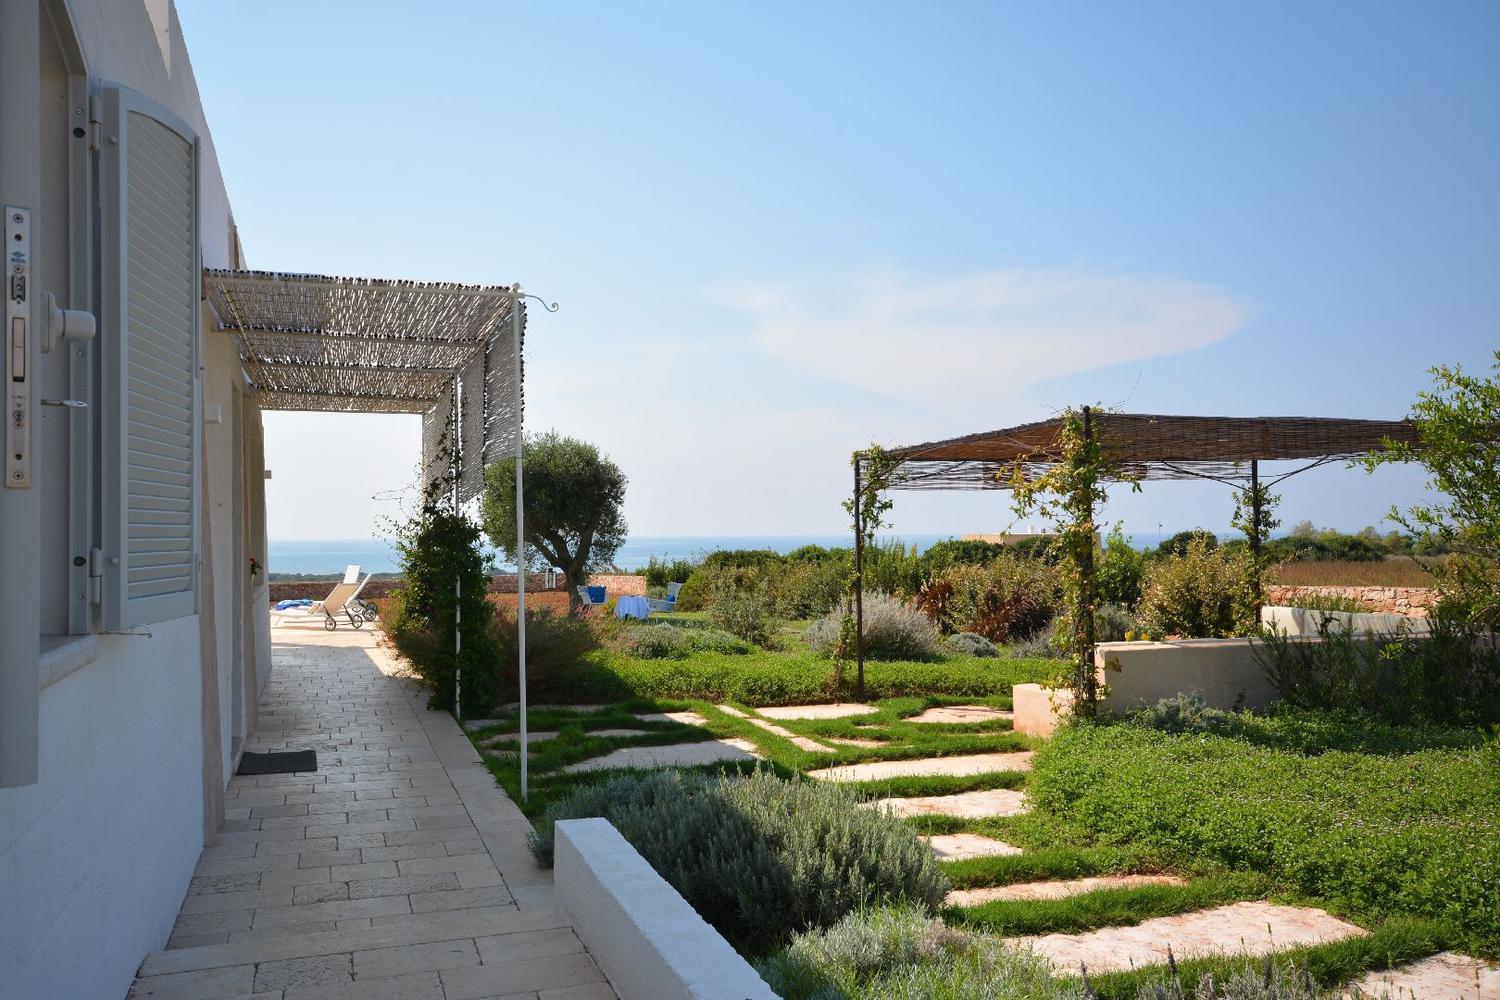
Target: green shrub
{"points": [[662, 641], [1112, 622], [748, 614], [1199, 594], [557, 645], [903, 954], [1185, 713], [1373, 833], [953, 551], [1450, 676], [1318, 601], [743, 559], [1271, 982], [1178, 544], [1119, 571], [760, 858], [660, 572], [1007, 599], [971, 644], [892, 567], [809, 588], [894, 630]]}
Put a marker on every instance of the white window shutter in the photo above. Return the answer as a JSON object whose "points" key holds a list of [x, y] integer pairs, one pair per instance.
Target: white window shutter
{"points": [[149, 385]]}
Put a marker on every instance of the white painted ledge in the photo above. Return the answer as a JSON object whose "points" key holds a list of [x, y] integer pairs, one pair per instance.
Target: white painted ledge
{"points": [[646, 938]]}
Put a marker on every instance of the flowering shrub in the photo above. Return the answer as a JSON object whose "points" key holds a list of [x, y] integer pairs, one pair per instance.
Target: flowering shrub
{"points": [[1008, 599]]}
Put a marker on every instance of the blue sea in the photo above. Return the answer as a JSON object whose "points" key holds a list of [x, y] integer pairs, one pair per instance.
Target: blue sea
{"points": [[375, 555]]}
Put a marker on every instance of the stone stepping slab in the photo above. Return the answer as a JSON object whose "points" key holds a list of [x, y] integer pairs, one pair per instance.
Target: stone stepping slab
{"points": [[1444, 976], [961, 714], [839, 710], [845, 741], [1056, 890], [965, 805], [686, 718], [958, 846], [800, 742], [676, 755], [1252, 929], [540, 737], [961, 766]]}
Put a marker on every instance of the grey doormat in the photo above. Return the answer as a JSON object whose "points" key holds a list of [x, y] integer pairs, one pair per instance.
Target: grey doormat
{"points": [[277, 762]]}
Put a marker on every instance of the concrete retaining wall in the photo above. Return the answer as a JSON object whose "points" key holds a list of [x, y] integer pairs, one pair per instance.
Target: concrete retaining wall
{"points": [[644, 935], [1224, 671], [1301, 621]]}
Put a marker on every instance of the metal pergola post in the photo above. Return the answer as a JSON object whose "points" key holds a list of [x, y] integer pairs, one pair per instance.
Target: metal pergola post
{"points": [[515, 327], [859, 586], [1254, 532]]}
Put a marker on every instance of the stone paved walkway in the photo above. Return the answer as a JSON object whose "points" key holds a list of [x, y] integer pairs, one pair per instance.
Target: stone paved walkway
{"points": [[397, 870]]}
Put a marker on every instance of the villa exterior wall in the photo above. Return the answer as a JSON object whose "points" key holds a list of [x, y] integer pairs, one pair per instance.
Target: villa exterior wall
{"points": [[137, 732]]}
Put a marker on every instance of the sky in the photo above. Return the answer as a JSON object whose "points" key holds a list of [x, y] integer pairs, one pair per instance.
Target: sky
{"points": [[779, 232]]}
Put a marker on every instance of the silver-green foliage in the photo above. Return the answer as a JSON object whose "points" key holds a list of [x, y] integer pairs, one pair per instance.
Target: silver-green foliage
{"points": [[758, 857], [894, 630], [972, 644], [668, 642], [1274, 982], [903, 953]]}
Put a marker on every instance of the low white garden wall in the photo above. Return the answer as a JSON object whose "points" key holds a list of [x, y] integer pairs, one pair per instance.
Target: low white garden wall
{"points": [[1302, 621], [646, 938]]}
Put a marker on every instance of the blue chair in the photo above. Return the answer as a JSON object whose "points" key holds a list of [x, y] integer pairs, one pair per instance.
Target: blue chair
{"points": [[668, 603], [592, 597]]}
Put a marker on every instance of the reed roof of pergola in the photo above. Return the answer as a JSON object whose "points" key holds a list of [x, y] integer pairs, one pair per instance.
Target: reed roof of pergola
{"points": [[369, 345], [1144, 446]]}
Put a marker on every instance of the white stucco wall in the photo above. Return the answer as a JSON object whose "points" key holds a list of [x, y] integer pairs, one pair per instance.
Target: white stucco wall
{"points": [[95, 858]]}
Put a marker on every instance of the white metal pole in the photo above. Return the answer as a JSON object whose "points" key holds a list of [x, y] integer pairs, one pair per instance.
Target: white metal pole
{"points": [[515, 328], [456, 469]]}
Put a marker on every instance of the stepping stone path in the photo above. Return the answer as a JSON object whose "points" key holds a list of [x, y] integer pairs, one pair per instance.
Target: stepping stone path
{"points": [[686, 718], [962, 766], [617, 732], [1444, 976], [965, 805], [1056, 890], [845, 741], [838, 710], [800, 742], [961, 714], [474, 725], [1252, 929], [676, 755], [957, 846], [731, 710], [531, 738]]}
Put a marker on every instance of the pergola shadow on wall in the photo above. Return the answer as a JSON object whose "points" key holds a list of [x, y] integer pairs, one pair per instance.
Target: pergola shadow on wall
{"points": [[1140, 446], [450, 352]]}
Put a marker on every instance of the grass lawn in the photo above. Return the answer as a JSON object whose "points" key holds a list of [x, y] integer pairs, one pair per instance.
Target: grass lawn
{"points": [[1393, 828]]}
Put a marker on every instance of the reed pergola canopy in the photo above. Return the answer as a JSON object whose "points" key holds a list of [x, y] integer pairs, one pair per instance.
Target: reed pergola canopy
{"points": [[444, 350], [1144, 446]]}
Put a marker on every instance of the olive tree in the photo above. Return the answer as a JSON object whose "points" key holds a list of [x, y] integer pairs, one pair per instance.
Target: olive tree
{"points": [[574, 505]]}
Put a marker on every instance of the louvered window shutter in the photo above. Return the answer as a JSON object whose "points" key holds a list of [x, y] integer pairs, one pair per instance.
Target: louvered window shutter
{"points": [[149, 385]]}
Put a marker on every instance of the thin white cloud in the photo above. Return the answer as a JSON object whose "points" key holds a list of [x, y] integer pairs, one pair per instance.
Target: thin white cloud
{"points": [[896, 333]]}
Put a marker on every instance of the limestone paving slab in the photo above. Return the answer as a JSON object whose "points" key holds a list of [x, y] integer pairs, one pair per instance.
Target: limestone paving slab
{"points": [[961, 714], [849, 741], [800, 742], [540, 737], [370, 877], [1056, 889], [1444, 976], [1250, 928], [675, 755], [965, 805], [960, 766], [685, 718], [837, 710], [958, 846]]}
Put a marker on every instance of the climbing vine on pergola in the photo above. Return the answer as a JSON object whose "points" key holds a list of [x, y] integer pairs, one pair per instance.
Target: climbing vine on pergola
{"points": [[1061, 466]]}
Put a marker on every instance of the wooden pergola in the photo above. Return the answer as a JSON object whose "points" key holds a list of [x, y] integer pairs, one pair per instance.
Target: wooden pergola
{"points": [[1141, 446]]}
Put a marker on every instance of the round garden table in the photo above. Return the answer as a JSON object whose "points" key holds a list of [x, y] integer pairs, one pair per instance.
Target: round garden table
{"points": [[631, 607]]}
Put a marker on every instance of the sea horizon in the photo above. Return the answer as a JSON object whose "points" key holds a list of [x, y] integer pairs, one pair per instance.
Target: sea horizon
{"points": [[378, 555]]}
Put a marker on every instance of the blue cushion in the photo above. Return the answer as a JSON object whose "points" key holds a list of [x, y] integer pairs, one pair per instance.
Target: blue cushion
{"points": [[596, 595]]}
